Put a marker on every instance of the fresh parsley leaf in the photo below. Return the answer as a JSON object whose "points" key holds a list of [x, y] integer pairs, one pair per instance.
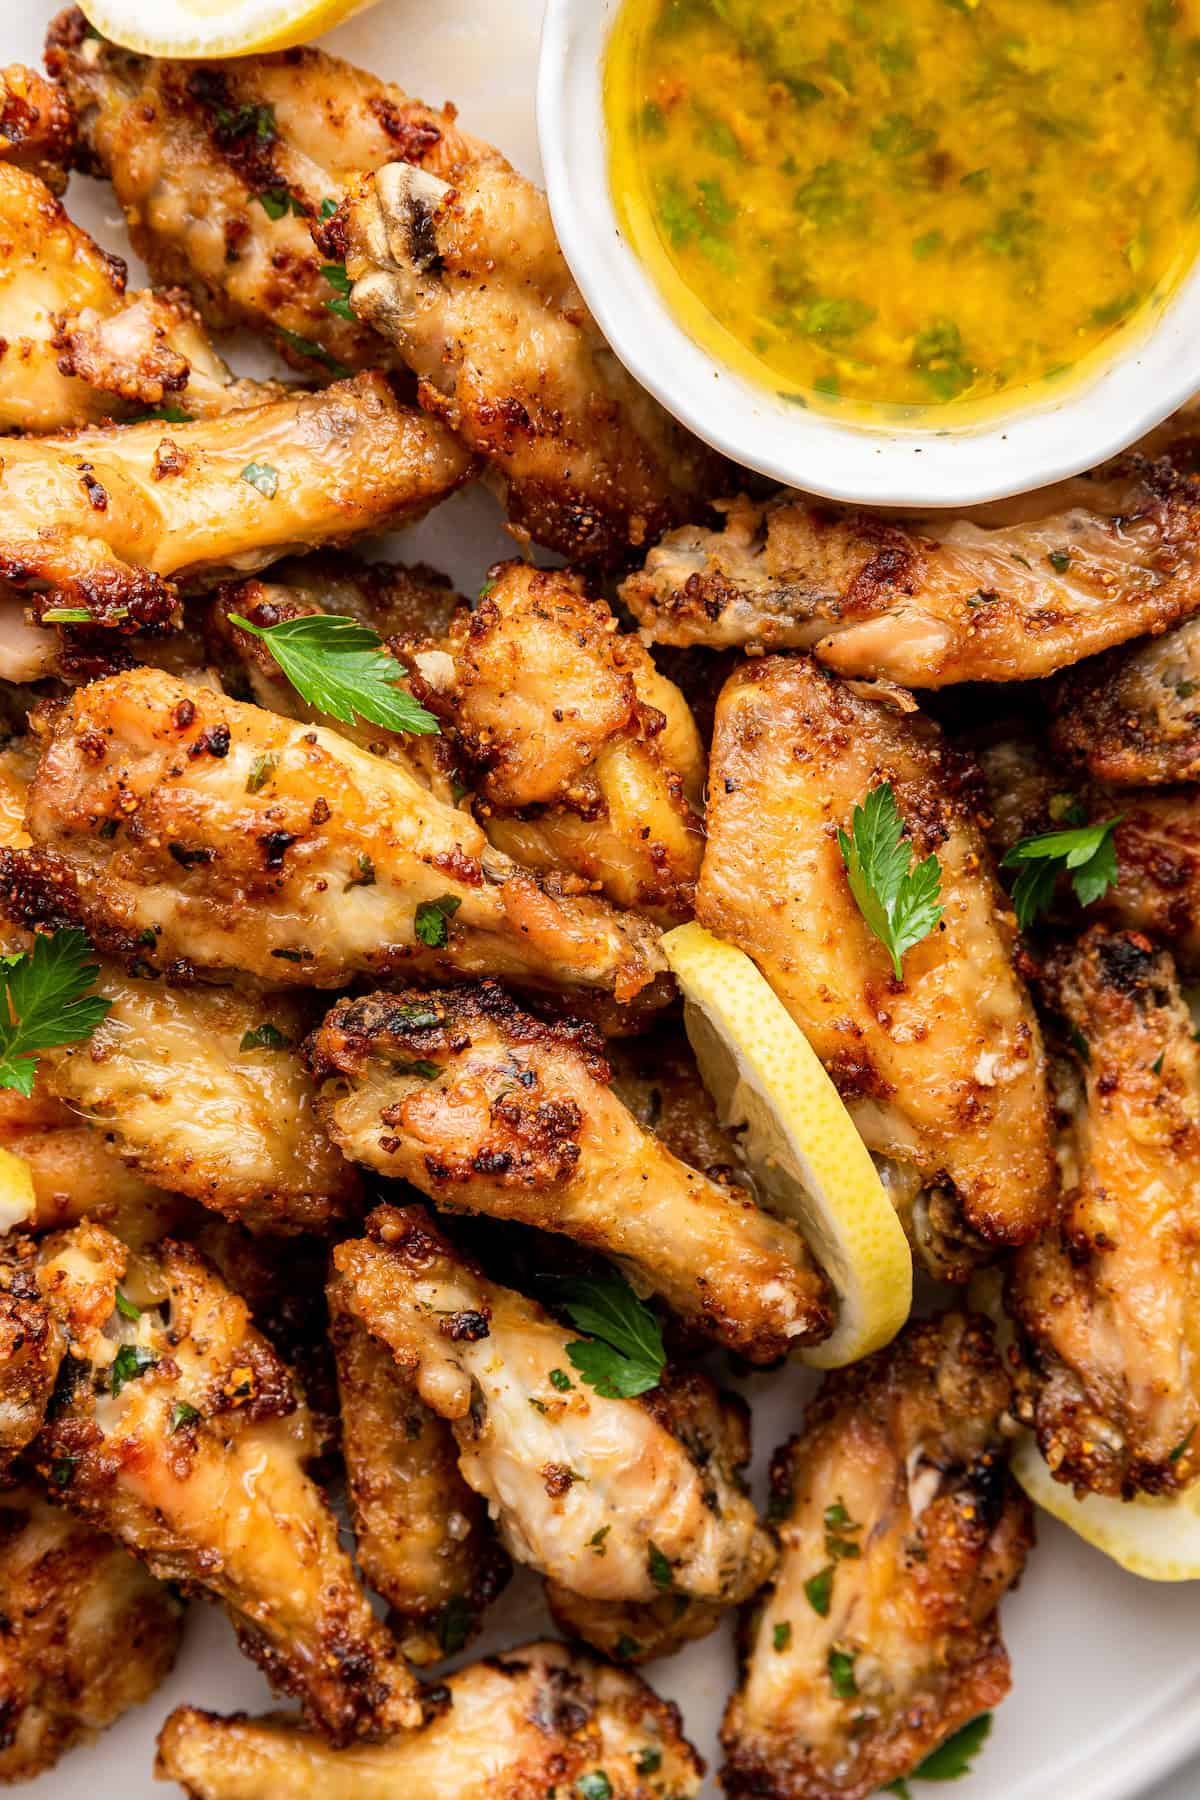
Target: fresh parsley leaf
{"points": [[1087, 852], [262, 476], [275, 202], [594, 1786], [838, 1519], [899, 904], [62, 1471], [130, 1361], [182, 1414], [1182, 1447], [841, 1674], [431, 921], [623, 1355], [561, 1380], [44, 1002], [454, 1624], [328, 208], [427, 1071], [305, 347], [341, 668], [781, 1637], [818, 1591], [659, 1567], [126, 1308], [596, 1541], [951, 1760], [338, 279], [264, 1037], [261, 771], [648, 1761]]}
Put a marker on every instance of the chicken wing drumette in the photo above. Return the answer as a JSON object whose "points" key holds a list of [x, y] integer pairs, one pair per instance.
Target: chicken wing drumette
{"points": [[900, 1530], [489, 1110], [943, 1069], [541, 1719], [1107, 1302], [87, 1633], [1132, 717]]}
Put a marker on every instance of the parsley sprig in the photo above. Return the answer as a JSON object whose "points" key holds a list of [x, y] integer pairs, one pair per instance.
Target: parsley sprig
{"points": [[899, 903], [1086, 852], [44, 1002], [951, 1760], [341, 668], [623, 1354]]}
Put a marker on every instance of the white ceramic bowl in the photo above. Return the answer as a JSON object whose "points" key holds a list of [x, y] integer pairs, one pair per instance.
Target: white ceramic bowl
{"points": [[1151, 373]]}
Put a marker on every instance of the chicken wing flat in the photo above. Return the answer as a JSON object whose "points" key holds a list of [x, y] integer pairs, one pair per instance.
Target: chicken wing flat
{"points": [[612, 1499], [182, 1436], [585, 759], [469, 284], [943, 1070], [37, 128], [102, 519], [1107, 1302], [219, 166], [1026, 588], [1132, 717], [900, 1530], [422, 1537], [488, 1110], [87, 1633], [53, 1295], [242, 840], [539, 1720]]}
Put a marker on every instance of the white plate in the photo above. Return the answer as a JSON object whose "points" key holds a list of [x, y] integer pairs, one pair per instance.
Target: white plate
{"points": [[1106, 1694]]}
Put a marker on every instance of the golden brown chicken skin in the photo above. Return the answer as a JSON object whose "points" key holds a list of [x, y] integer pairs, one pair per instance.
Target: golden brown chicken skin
{"points": [[656, 1077], [943, 1070], [489, 1110], [87, 1633], [469, 284], [585, 760], [244, 841], [1131, 718], [1017, 591], [900, 1530], [613, 1499], [37, 127], [1107, 1302], [422, 1537], [220, 166], [183, 1437], [538, 1720], [110, 518]]}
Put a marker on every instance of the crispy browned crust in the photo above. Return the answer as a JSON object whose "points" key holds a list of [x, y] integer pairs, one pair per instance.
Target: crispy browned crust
{"points": [[32, 1346], [1132, 717], [37, 128], [915, 1607]]}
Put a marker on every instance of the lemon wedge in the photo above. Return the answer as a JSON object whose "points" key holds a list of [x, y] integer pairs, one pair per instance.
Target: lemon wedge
{"points": [[800, 1143], [1157, 1539], [17, 1200], [215, 27]]}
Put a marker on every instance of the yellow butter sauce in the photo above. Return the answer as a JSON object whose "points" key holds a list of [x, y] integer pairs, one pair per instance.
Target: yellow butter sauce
{"points": [[908, 203]]}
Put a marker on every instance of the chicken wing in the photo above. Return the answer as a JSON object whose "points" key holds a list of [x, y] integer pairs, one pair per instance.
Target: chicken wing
{"points": [[943, 1070], [37, 127], [52, 1297], [1022, 589], [539, 1720], [242, 840], [87, 1633], [469, 284], [657, 1079], [422, 1536], [585, 759], [1107, 1302], [219, 166], [900, 1530], [182, 1436], [611, 1499], [488, 1110], [1132, 717]]}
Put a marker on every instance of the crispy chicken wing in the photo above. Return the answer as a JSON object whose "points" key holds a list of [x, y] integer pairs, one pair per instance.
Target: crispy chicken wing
{"points": [[537, 1721], [1022, 589], [469, 284], [52, 1297], [37, 127], [182, 1435], [900, 1530], [87, 1633], [585, 759], [943, 1071], [220, 166], [1132, 716], [488, 1110], [1107, 1302], [242, 840], [611, 1499]]}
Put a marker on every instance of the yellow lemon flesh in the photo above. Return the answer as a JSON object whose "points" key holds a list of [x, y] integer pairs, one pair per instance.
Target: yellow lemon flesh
{"points": [[17, 1201], [215, 27], [1157, 1539], [799, 1141]]}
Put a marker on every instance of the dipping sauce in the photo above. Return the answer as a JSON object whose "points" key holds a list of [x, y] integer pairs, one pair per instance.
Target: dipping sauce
{"points": [[885, 204]]}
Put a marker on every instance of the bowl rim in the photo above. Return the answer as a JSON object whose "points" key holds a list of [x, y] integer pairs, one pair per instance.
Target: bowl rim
{"points": [[845, 460]]}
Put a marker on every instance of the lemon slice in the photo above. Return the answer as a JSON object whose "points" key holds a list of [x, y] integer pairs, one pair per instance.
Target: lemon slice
{"points": [[17, 1200], [1157, 1539], [800, 1142], [215, 27]]}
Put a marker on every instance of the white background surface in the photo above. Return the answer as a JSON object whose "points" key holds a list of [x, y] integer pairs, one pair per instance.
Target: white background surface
{"points": [[1106, 1694]]}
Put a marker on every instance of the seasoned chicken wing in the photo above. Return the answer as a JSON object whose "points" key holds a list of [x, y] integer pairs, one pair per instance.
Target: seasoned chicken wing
{"points": [[943, 1070], [219, 166], [612, 1499], [182, 1436], [537, 1721], [37, 128], [1132, 716], [585, 759], [241, 840], [657, 1079], [900, 1530], [87, 1633], [469, 284], [53, 1295], [1107, 1302], [1020, 590], [422, 1536], [488, 1110]]}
